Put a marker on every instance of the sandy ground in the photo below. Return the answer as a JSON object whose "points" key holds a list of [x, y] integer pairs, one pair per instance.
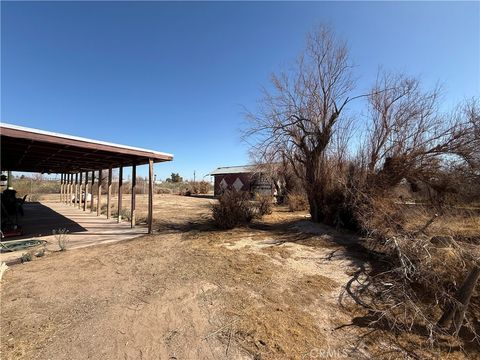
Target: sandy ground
{"points": [[183, 209], [267, 291]]}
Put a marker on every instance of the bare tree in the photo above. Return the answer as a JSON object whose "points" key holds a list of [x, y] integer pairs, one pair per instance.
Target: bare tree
{"points": [[300, 114], [409, 138]]}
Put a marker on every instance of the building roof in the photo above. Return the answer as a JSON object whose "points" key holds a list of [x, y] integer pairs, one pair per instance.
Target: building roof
{"points": [[27, 149], [244, 169]]}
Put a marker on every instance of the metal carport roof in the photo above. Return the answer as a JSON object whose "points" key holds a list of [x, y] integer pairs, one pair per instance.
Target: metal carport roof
{"points": [[33, 150]]}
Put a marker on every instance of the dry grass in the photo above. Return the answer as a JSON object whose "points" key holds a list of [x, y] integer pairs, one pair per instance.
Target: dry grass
{"points": [[186, 209], [419, 260], [297, 202], [188, 292], [266, 291], [459, 223]]}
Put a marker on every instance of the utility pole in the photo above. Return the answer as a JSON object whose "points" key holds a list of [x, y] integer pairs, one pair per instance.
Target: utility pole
{"points": [[193, 175]]}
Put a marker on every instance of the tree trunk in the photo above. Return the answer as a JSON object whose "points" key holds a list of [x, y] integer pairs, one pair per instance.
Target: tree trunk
{"points": [[316, 202], [315, 189], [456, 310]]}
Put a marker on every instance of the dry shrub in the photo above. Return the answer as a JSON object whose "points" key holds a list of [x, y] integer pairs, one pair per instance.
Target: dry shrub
{"points": [[233, 208], [379, 215], [196, 188], [37, 185], [61, 235], [124, 213], [185, 192], [103, 209], [415, 285], [264, 205], [417, 269], [163, 190], [201, 187], [297, 202], [337, 209]]}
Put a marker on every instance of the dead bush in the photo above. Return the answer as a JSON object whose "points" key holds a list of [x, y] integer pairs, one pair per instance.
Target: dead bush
{"points": [[163, 191], [264, 205], [422, 273], [124, 214], [297, 202], [201, 187], [61, 235], [198, 187], [418, 270], [103, 209], [26, 257], [233, 208]]}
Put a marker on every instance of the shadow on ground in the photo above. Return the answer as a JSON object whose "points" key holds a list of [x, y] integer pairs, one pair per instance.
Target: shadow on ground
{"points": [[39, 220]]}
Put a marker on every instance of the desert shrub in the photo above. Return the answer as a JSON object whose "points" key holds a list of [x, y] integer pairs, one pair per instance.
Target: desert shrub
{"points": [[264, 205], [40, 253], [198, 187], [103, 209], [125, 213], [26, 257], [233, 208], [61, 235], [297, 202], [163, 190], [202, 187], [419, 265], [170, 188], [183, 191], [35, 187]]}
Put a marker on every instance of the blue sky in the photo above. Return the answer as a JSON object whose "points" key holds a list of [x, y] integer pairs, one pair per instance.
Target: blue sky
{"points": [[174, 76]]}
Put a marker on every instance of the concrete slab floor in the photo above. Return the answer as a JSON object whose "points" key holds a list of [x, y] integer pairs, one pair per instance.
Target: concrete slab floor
{"points": [[85, 228]]}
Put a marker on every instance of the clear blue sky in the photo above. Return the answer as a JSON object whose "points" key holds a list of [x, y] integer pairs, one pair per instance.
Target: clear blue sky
{"points": [[174, 76]]}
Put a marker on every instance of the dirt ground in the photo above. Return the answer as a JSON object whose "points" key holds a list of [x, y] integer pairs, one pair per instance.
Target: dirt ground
{"points": [[267, 291]]}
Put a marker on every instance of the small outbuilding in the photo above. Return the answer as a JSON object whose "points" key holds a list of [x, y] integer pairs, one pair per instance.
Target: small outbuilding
{"points": [[242, 178]]}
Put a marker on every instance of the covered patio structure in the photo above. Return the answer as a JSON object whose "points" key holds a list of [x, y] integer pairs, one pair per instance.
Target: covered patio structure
{"points": [[80, 163]]}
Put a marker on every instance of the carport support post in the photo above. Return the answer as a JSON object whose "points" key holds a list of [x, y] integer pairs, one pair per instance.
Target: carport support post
{"points": [[91, 190], [109, 192], [69, 184], [150, 195], [85, 190], [99, 193], [75, 191], [134, 189], [65, 188], [120, 193], [61, 187], [74, 188], [68, 200], [80, 191]]}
